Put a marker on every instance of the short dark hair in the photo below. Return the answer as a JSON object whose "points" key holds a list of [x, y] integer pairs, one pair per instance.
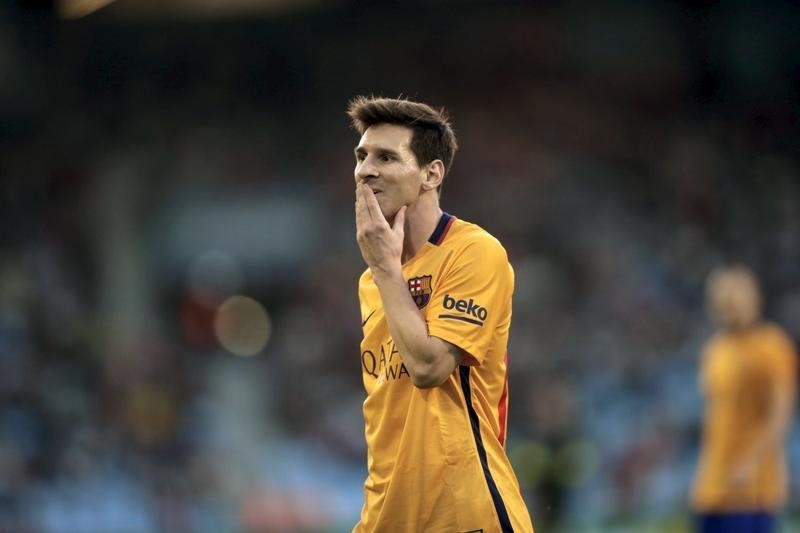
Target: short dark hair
{"points": [[432, 134]]}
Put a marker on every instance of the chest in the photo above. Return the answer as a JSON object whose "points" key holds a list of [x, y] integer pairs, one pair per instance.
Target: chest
{"points": [[381, 360], [422, 278], [736, 373]]}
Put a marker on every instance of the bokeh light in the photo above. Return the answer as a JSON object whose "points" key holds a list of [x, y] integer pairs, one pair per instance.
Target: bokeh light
{"points": [[74, 9], [242, 325], [530, 459]]}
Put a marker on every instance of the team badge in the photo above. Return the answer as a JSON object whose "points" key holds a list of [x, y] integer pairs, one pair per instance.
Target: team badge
{"points": [[420, 289]]}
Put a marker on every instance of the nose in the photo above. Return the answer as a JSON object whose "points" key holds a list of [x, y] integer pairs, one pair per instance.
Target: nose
{"points": [[365, 170]]}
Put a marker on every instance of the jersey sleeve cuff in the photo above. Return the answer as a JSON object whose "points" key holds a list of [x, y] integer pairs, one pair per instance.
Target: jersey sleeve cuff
{"points": [[475, 352]]}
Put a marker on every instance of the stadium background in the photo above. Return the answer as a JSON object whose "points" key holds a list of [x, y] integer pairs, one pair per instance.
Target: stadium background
{"points": [[177, 190]]}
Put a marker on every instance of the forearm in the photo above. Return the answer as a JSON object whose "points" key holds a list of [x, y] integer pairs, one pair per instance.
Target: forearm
{"points": [[426, 358]]}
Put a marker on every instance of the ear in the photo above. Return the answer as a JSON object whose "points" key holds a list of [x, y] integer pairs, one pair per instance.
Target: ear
{"points": [[434, 174]]}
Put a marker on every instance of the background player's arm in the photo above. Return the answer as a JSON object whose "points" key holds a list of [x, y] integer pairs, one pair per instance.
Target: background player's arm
{"points": [[780, 416], [429, 360]]}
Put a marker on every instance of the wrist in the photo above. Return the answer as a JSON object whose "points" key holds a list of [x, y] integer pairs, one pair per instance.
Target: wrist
{"points": [[384, 273]]}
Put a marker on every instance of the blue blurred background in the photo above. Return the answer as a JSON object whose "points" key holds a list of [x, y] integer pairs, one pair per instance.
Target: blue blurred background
{"points": [[179, 326]]}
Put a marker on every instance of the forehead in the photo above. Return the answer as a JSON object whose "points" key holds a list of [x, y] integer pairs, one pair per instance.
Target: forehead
{"points": [[733, 280], [391, 136]]}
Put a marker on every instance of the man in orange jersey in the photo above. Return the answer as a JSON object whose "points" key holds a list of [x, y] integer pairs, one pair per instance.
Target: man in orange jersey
{"points": [[436, 310], [748, 379]]}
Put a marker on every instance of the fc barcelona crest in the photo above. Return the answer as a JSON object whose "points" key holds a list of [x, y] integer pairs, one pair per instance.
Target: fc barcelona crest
{"points": [[420, 289]]}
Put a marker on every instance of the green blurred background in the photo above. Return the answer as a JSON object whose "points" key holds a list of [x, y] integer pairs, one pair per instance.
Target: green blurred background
{"points": [[178, 313]]}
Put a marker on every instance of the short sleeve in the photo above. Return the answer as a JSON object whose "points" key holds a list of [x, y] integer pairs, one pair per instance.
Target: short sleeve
{"points": [[781, 359], [471, 304]]}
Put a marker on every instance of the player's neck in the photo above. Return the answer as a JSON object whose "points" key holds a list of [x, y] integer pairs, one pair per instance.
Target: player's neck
{"points": [[421, 219], [742, 328]]}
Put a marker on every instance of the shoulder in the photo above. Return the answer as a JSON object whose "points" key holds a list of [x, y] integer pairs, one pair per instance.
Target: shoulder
{"points": [[776, 335], [777, 350], [471, 240], [714, 344]]}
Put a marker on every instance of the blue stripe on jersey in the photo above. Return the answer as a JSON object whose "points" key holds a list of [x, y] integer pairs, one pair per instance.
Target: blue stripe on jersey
{"points": [[499, 506], [463, 319], [440, 227]]}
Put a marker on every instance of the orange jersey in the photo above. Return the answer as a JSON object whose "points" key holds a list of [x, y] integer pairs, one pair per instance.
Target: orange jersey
{"points": [[739, 374], [436, 459]]}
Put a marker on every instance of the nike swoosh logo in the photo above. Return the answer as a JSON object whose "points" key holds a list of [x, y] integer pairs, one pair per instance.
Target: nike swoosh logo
{"points": [[364, 322]]}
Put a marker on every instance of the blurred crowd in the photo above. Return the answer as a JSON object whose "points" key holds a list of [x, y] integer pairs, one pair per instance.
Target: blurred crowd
{"points": [[151, 169]]}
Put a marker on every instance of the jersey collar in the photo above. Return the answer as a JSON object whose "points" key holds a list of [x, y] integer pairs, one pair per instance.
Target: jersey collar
{"points": [[438, 235]]}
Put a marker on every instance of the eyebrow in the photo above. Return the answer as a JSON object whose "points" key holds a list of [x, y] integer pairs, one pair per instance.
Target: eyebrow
{"points": [[380, 151]]}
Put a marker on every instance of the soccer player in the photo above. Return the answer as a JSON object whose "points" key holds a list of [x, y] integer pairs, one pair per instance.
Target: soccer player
{"points": [[748, 378], [436, 310]]}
